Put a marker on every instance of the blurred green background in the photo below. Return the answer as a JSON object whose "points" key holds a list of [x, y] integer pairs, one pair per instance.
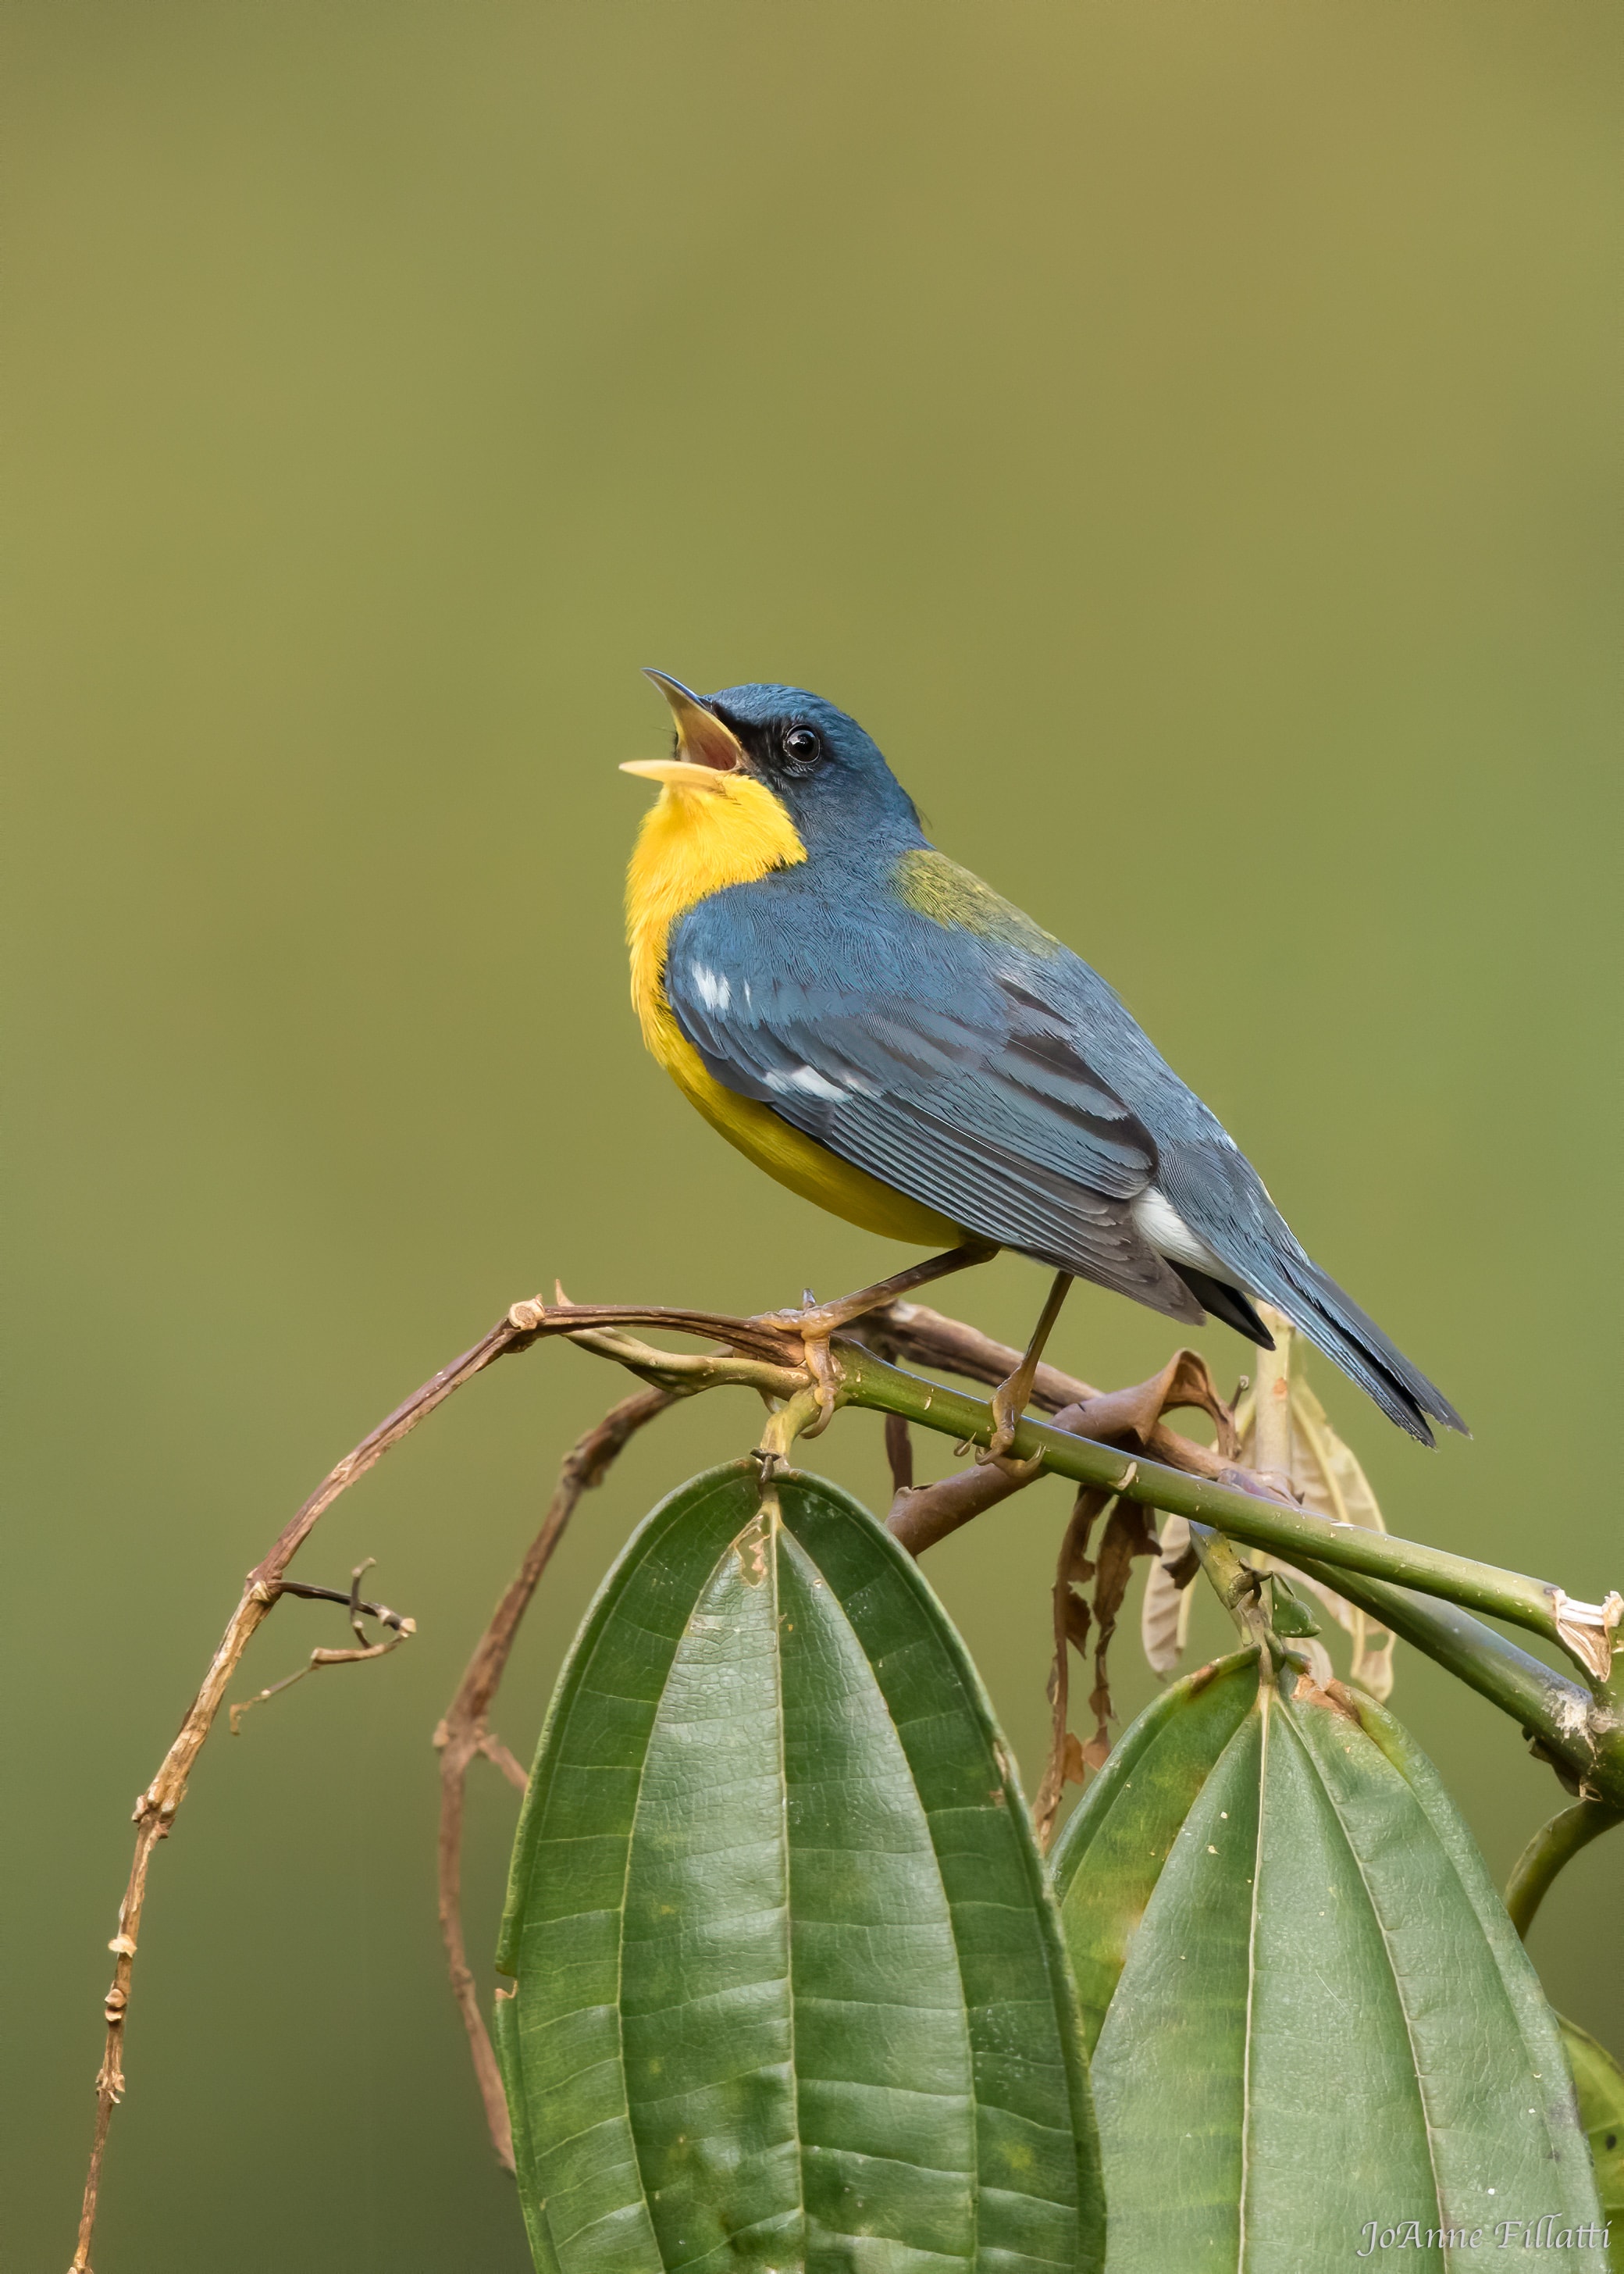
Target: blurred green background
{"points": [[1183, 433]]}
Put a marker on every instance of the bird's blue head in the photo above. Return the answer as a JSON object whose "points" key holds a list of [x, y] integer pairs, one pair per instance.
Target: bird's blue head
{"points": [[829, 775]]}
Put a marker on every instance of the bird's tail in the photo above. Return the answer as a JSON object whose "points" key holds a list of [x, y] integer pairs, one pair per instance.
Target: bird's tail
{"points": [[1333, 1322]]}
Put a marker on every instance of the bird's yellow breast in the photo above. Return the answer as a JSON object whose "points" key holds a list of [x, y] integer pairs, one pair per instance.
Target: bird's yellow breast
{"points": [[694, 842]]}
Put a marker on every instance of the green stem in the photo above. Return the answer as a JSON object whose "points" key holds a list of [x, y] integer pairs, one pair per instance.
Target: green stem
{"points": [[1511, 1678], [1575, 1731], [1236, 1584], [1553, 1846], [1284, 1531]]}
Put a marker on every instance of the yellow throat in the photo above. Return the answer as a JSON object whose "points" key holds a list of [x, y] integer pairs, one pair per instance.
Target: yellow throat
{"points": [[696, 839], [693, 842]]}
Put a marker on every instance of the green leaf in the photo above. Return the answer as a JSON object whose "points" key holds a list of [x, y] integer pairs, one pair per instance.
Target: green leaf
{"points": [[1319, 2025], [1289, 1614], [1129, 1818], [792, 1989], [1600, 2084]]}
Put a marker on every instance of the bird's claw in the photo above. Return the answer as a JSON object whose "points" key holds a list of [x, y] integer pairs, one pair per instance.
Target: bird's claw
{"points": [[1009, 1399], [816, 1327], [825, 1373], [1005, 1420], [1006, 1414], [817, 1323]]}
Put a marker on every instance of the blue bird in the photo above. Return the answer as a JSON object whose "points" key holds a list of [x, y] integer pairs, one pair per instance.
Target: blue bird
{"points": [[885, 1033]]}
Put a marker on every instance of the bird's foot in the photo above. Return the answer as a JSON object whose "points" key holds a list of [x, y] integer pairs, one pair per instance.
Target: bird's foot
{"points": [[817, 1323], [1010, 1398], [1008, 1405], [824, 1368], [1009, 1402]]}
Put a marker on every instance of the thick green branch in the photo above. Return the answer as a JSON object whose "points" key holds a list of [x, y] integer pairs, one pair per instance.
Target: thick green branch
{"points": [[1581, 1735], [1281, 1529], [1584, 1631], [1511, 1678]]}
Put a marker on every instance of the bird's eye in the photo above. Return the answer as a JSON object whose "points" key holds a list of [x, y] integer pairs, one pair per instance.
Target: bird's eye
{"points": [[801, 749]]}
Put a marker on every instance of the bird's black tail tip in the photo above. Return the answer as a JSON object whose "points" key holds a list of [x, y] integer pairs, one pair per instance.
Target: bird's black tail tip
{"points": [[1335, 1324], [1231, 1304]]}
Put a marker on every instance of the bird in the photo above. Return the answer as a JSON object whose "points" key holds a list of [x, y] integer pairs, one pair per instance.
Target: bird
{"points": [[887, 1036]]}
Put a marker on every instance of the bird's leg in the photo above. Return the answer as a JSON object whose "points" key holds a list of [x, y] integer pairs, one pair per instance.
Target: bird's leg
{"points": [[1009, 1399], [817, 1323]]}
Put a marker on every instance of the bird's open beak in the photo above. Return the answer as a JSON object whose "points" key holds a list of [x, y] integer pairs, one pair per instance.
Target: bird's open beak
{"points": [[708, 749]]}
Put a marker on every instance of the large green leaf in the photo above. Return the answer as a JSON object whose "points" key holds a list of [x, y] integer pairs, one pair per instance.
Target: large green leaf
{"points": [[792, 1989], [1313, 2025], [1600, 2082], [1130, 1815]]}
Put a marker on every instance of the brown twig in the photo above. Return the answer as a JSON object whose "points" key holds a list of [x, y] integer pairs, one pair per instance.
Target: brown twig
{"points": [[156, 1808], [766, 1337], [397, 1629], [923, 1515], [350, 1597], [900, 1453], [914, 1331], [463, 1732]]}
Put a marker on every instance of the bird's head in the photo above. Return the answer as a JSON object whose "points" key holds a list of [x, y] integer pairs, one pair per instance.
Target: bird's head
{"points": [[814, 762]]}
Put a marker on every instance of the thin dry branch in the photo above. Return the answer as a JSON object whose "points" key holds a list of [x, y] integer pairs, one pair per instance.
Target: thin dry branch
{"points": [[771, 1352], [397, 1629], [464, 1733], [921, 1515], [1127, 1534], [914, 1331], [900, 1453], [156, 1807]]}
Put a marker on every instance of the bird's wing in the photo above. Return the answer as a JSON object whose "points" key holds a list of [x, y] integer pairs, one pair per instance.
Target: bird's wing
{"points": [[929, 1057]]}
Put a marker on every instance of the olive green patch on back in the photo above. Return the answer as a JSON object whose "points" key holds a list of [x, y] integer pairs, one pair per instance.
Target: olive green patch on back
{"points": [[936, 887]]}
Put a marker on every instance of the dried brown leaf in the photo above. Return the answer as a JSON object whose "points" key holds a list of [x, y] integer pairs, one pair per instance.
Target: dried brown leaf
{"points": [[1131, 1418], [1328, 1475], [1070, 1618], [1164, 1612], [1077, 1616], [1323, 1673], [1127, 1535]]}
